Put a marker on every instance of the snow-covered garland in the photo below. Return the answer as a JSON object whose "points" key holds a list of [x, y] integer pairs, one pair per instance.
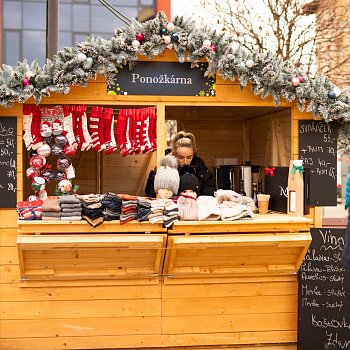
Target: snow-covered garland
{"points": [[267, 73]]}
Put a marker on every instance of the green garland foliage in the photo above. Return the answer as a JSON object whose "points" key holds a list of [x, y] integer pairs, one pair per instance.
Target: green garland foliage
{"points": [[267, 73]]}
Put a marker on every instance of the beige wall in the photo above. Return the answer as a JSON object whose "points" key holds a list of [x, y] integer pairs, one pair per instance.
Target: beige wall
{"points": [[333, 40]]}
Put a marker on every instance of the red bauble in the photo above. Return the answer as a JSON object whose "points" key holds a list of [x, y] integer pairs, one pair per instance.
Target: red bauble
{"points": [[25, 82], [37, 162], [140, 37], [301, 79], [69, 150], [213, 47]]}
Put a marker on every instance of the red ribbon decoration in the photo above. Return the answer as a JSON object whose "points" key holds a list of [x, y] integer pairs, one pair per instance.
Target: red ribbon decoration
{"points": [[270, 171]]}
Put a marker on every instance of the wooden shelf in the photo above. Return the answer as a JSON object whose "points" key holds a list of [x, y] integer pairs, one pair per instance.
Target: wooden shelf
{"points": [[87, 256], [255, 254]]}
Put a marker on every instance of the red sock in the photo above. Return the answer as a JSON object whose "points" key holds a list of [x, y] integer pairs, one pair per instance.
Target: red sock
{"points": [[27, 126], [101, 128], [128, 149], [121, 129], [108, 121], [151, 131], [147, 146], [85, 136], [137, 130], [93, 129], [76, 123], [154, 129], [135, 143], [68, 131], [35, 127]]}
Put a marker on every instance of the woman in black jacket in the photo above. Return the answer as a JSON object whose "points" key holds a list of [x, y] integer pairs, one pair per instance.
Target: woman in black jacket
{"points": [[183, 147]]}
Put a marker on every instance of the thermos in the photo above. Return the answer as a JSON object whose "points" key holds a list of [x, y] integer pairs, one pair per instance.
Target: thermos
{"points": [[242, 172]]}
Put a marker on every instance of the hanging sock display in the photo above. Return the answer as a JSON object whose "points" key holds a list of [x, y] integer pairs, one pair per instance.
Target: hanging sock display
{"points": [[136, 131]]}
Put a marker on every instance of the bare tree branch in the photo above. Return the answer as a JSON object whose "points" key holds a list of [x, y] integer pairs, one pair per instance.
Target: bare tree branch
{"points": [[296, 30]]}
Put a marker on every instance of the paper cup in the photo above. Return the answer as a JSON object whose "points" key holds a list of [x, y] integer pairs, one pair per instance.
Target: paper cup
{"points": [[263, 207]]}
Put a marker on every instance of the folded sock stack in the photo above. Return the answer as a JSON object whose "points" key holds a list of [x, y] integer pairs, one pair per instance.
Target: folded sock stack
{"points": [[93, 222], [29, 210], [70, 208], [143, 209], [91, 201], [91, 209], [171, 212], [157, 211], [51, 209], [128, 209], [111, 206]]}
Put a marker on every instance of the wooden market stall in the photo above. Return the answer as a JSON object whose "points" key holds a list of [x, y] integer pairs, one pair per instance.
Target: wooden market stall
{"points": [[199, 285], [234, 284]]}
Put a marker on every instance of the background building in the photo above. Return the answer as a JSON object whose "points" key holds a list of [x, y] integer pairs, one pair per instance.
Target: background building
{"points": [[332, 39], [36, 29]]}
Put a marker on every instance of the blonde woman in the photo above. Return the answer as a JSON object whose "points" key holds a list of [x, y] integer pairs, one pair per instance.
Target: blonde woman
{"points": [[183, 147]]}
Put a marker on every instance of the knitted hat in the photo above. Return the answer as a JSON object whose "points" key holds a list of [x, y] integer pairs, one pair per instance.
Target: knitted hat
{"points": [[207, 208], [188, 208], [232, 196], [189, 182], [167, 176], [233, 211]]}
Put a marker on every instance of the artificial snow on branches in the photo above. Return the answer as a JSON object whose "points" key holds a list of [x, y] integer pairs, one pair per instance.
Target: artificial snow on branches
{"points": [[267, 73]]}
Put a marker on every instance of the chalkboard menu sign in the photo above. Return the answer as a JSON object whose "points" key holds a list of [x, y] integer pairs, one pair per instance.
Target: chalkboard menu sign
{"points": [[324, 294], [8, 154], [318, 150]]}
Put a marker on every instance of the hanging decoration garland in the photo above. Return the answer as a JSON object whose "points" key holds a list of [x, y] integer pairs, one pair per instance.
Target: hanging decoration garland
{"points": [[266, 72]]}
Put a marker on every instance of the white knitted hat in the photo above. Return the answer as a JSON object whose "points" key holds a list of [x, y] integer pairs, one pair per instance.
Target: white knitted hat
{"points": [[167, 176], [233, 211], [207, 208]]}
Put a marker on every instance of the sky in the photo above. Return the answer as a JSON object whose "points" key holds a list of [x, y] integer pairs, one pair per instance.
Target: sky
{"points": [[184, 7]]}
